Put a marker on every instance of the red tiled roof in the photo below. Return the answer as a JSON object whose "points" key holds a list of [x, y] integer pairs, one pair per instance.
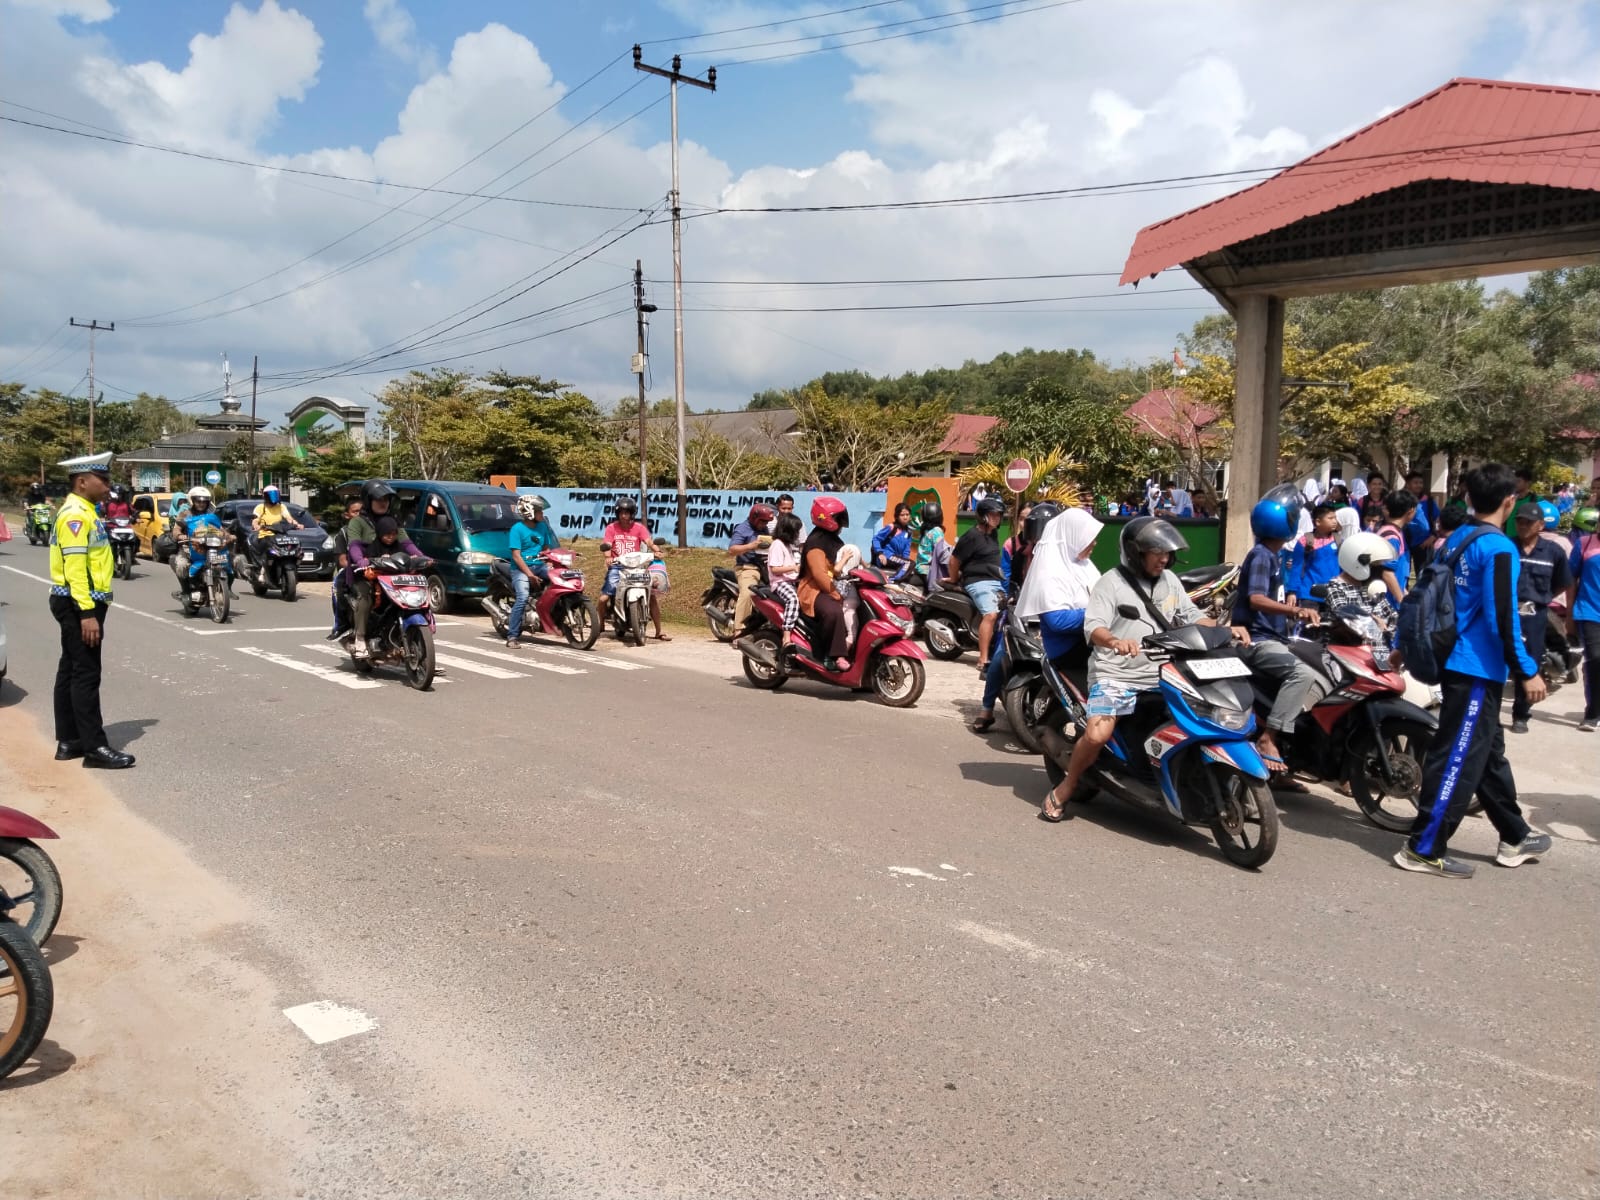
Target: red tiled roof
{"points": [[1173, 414], [966, 431], [1473, 130]]}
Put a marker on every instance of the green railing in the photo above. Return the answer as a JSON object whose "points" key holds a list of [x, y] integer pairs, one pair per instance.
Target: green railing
{"points": [[1204, 538]]}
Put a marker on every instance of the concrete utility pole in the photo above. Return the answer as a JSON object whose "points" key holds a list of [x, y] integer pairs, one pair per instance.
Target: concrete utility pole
{"points": [[255, 375], [675, 77], [94, 327], [639, 309]]}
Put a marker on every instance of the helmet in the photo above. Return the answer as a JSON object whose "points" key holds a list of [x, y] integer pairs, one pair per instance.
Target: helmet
{"points": [[531, 507], [627, 504], [762, 512], [989, 506], [1143, 534], [829, 512], [198, 493], [1043, 513], [1552, 515], [1585, 519], [1277, 514], [271, 494], [375, 489], [118, 492], [932, 514], [1364, 553]]}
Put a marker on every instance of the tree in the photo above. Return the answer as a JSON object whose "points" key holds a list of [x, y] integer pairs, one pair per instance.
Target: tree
{"points": [[1112, 455], [322, 472], [436, 418], [855, 447]]}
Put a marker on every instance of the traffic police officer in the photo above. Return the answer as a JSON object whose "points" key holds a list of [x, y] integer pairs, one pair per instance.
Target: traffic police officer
{"points": [[81, 568]]}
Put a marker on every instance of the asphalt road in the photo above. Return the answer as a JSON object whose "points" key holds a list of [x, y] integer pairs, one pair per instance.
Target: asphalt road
{"points": [[628, 928]]}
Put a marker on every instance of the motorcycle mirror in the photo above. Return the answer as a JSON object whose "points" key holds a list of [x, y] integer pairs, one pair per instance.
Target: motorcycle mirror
{"points": [[1127, 612]]}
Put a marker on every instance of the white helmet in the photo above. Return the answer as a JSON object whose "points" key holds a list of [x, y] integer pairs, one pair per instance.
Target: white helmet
{"points": [[530, 507], [199, 493], [1362, 553]]}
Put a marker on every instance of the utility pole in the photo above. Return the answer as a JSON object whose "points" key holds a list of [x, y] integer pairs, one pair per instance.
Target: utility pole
{"points": [[639, 309], [255, 374], [675, 77], [94, 327]]}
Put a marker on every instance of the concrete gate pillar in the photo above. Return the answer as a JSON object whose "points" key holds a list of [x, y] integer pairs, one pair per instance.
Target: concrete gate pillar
{"points": [[1258, 392]]}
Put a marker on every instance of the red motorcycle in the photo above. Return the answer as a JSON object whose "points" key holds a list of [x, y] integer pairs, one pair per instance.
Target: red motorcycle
{"points": [[555, 606], [883, 659], [30, 885], [1363, 731]]}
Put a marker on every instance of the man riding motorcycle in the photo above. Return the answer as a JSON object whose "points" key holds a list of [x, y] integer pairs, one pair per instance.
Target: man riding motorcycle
{"points": [[117, 504], [377, 498], [269, 514], [528, 539], [199, 515], [751, 537]]}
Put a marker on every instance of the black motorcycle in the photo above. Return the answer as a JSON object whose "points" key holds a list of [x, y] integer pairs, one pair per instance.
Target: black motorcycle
{"points": [[124, 545], [1027, 691], [949, 622], [719, 602], [274, 563]]}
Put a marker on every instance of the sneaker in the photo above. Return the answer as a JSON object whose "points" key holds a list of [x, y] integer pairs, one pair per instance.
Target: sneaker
{"points": [[334, 636], [1587, 725], [1535, 845], [1408, 859], [1519, 727]]}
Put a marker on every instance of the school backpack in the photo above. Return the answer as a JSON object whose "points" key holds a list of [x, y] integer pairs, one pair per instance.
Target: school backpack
{"points": [[1426, 632]]}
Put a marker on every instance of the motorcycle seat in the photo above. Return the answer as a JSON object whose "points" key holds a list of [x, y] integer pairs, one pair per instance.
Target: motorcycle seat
{"points": [[1309, 653], [953, 600], [501, 568], [1200, 576], [762, 592], [723, 573]]}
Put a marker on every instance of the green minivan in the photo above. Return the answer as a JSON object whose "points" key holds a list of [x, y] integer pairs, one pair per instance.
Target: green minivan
{"points": [[461, 526]]}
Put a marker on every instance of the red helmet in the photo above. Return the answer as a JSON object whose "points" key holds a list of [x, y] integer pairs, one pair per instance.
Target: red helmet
{"points": [[761, 512], [829, 512]]}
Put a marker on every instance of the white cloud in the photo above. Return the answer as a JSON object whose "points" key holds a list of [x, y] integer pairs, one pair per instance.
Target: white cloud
{"points": [[1081, 95], [87, 11], [396, 32]]}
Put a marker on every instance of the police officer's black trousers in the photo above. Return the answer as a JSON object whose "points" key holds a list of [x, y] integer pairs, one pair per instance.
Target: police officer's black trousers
{"points": [[78, 676]]}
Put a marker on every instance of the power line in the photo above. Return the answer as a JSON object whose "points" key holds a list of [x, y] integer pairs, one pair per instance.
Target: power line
{"points": [[795, 283], [936, 304], [261, 166], [17, 366], [838, 12]]}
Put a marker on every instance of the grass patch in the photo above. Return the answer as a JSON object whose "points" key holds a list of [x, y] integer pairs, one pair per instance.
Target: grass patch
{"points": [[688, 568]]}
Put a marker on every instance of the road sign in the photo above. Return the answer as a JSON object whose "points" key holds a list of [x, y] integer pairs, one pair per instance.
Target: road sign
{"points": [[213, 477], [1019, 474]]}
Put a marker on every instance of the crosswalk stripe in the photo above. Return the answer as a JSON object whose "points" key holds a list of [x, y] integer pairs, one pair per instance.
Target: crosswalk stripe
{"points": [[294, 664], [336, 652], [587, 657], [529, 663], [446, 660]]}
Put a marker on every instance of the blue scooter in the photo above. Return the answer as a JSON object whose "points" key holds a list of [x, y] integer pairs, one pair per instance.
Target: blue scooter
{"points": [[1186, 750]]}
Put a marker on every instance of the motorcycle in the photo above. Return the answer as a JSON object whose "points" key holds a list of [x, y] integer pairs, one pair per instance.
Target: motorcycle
{"points": [[1027, 691], [719, 601], [630, 606], [212, 583], [883, 658], [1211, 589], [27, 996], [124, 545], [555, 606], [948, 621], [401, 626], [1186, 749], [36, 524], [30, 885], [274, 564], [1363, 731]]}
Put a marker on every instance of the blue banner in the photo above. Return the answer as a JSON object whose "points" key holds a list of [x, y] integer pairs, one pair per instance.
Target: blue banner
{"points": [[584, 512]]}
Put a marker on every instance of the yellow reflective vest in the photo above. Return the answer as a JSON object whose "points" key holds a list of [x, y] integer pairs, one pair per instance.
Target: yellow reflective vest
{"points": [[81, 562]]}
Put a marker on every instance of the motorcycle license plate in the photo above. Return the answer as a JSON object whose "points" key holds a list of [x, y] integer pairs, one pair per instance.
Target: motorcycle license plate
{"points": [[218, 557], [409, 581], [308, 556], [1218, 668]]}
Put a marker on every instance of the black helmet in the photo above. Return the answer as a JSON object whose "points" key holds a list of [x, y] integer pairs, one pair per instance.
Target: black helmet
{"points": [[627, 504], [1144, 534], [375, 489], [932, 514], [989, 506], [1043, 513]]}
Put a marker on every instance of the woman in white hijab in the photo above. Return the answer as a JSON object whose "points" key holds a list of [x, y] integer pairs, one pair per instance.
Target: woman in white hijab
{"points": [[1349, 523]]}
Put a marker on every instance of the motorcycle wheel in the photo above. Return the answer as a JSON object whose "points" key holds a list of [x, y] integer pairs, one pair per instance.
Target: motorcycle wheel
{"points": [[438, 597], [36, 904], [724, 632], [124, 566], [941, 641], [499, 616], [1390, 806], [636, 619], [219, 598], [27, 996], [580, 623], [257, 578], [1246, 823], [418, 648], [898, 682], [759, 674], [291, 582], [1025, 708]]}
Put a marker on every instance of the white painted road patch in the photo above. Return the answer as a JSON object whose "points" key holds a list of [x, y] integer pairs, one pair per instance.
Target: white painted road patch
{"points": [[324, 1021], [327, 673], [916, 871]]}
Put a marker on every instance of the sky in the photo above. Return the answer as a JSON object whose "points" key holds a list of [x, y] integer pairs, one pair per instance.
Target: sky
{"points": [[469, 184]]}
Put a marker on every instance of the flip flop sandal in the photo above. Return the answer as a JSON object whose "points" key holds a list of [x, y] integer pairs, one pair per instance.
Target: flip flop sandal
{"points": [[982, 723], [1044, 809]]}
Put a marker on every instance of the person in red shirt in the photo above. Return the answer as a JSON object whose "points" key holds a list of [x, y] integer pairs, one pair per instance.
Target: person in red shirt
{"points": [[624, 536], [117, 504]]}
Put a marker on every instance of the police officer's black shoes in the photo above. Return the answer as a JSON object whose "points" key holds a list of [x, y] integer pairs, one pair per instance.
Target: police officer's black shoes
{"points": [[68, 750], [108, 759]]}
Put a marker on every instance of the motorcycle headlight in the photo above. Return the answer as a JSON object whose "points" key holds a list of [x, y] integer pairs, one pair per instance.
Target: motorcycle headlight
{"points": [[900, 623], [328, 543], [476, 558], [1228, 718]]}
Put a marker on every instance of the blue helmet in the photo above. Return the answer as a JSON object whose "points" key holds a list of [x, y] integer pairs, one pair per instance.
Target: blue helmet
{"points": [[1552, 516], [270, 494], [1277, 514]]}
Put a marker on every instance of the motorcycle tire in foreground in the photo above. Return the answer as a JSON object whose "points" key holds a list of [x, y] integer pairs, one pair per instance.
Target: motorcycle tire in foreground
{"points": [[27, 996], [30, 888]]}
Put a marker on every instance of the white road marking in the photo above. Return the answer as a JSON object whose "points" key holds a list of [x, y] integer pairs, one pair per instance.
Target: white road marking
{"points": [[948, 867], [1571, 832], [336, 652], [507, 656], [273, 629], [588, 657], [323, 1021], [138, 612], [917, 871], [294, 664]]}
